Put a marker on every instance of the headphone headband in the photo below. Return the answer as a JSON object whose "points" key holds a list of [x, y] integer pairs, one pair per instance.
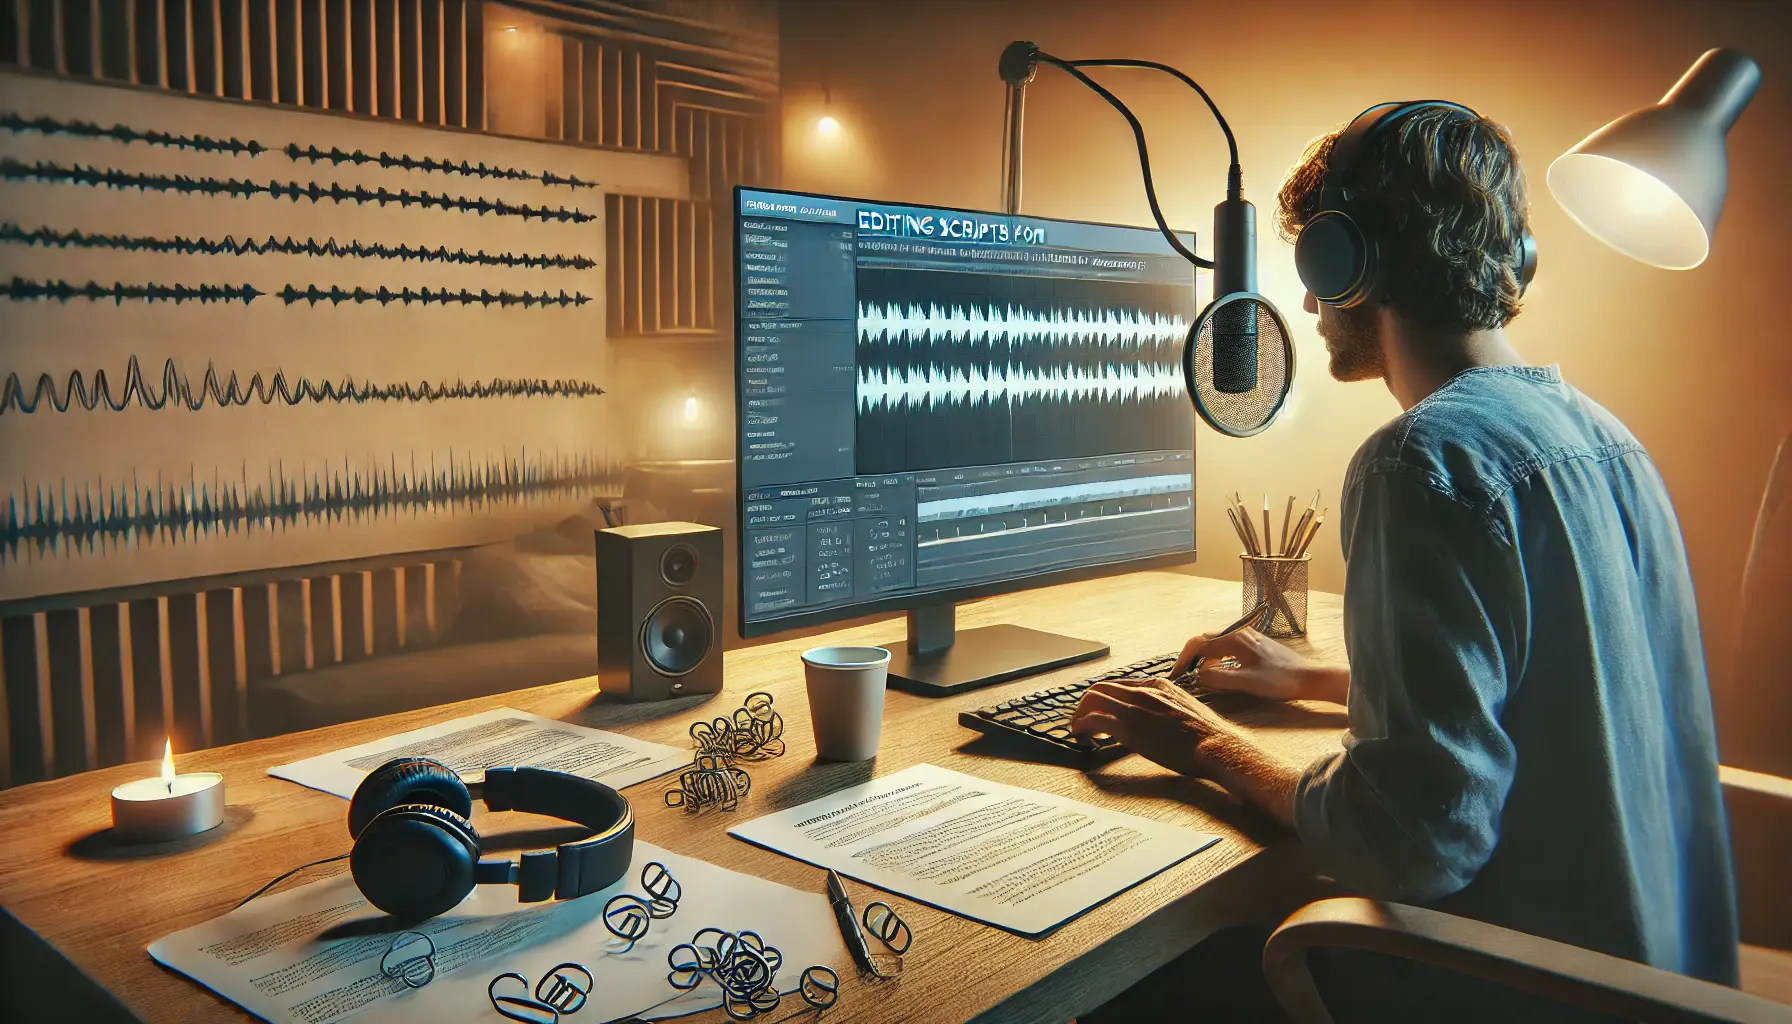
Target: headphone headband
{"points": [[570, 869], [1357, 135]]}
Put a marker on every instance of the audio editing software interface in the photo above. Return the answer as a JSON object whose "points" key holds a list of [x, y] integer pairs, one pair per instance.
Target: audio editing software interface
{"points": [[935, 399]]}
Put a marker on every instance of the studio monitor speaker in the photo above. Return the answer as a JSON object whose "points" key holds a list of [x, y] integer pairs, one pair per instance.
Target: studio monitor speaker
{"points": [[659, 610]]}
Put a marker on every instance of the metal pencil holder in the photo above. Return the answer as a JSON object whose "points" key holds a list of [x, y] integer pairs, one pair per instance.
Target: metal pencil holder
{"points": [[1283, 581]]}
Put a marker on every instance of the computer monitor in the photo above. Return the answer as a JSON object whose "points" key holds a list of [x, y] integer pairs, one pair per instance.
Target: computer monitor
{"points": [[939, 404]]}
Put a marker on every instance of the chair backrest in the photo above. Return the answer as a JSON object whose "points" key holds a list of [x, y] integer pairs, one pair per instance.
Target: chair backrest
{"points": [[1760, 690]]}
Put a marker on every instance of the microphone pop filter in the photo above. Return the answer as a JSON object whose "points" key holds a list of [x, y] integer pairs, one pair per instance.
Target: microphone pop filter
{"points": [[1238, 364]]}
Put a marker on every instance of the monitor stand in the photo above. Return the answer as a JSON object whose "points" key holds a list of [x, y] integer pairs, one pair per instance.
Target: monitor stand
{"points": [[938, 661]]}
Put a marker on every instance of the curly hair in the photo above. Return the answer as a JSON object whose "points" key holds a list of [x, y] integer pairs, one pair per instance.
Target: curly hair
{"points": [[1445, 192]]}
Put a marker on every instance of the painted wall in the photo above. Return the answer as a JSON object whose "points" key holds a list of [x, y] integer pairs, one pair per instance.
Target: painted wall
{"points": [[1697, 363]]}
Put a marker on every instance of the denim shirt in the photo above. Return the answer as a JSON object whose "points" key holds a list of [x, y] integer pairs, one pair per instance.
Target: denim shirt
{"points": [[1531, 739]]}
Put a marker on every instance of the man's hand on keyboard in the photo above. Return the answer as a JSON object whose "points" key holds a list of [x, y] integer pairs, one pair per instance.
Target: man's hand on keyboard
{"points": [[1152, 717], [1164, 723], [1263, 668]]}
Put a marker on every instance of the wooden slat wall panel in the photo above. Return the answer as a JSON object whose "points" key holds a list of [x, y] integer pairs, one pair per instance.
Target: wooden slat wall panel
{"points": [[228, 699], [69, 698], [189, 676], [18, 660], [112, 711], [145, 638]]}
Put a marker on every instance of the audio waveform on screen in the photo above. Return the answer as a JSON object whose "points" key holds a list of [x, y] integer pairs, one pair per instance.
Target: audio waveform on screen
{"points": [[960, 369], [18, 124], [178, 391], [45, 237], [99, 516], [1120, 355], [20, 289], [51, 172], [336, 157]]}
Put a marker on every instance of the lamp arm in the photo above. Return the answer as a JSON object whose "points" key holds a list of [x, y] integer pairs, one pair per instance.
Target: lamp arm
{"points": [[1234, 184], [1138, 134]]}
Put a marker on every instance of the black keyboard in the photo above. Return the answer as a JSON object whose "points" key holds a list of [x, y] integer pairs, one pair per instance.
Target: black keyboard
{"points": [[1037, 725]]}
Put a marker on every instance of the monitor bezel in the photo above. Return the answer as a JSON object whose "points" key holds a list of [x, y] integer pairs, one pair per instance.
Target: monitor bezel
{"points": [[904, 602]]}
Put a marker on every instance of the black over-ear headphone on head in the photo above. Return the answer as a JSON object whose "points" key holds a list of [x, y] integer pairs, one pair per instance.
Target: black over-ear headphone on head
{"points": [[416, 853], [1341, 260]]}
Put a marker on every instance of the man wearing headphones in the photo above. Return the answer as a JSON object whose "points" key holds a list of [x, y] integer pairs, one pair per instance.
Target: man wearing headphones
{"points": [[1531, 740]]}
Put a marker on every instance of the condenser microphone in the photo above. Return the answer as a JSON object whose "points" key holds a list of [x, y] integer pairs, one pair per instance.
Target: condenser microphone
{"points": [[1238, 361], [1235, 323]]}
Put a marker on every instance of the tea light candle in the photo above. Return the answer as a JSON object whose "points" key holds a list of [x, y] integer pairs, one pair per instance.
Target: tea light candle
{"points": [[170, 807]]}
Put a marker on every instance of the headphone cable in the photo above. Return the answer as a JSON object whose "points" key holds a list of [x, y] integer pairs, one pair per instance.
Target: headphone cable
{"points": [[289, 874]]}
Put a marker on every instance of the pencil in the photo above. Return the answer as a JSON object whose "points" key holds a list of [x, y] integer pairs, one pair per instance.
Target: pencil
{"points": [[1232, 518], [1250, 532], [1287, 514], [1267, 536], [1312, 532], [1306, 519]]}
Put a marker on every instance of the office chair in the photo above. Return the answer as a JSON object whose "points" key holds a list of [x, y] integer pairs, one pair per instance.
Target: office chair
{"points": [[1760, 813], [1761, 675], [1554, 970]]}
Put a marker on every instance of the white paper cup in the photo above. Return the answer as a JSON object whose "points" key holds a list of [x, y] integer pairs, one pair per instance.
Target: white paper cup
{"points": [[846, 699]]}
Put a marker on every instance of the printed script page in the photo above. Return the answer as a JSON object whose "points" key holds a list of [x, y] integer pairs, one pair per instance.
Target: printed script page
{"points": [[501, 738], [1014, 858], [314, 954]]}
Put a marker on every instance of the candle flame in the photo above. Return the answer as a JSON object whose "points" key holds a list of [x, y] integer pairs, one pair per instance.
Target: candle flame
{"points": [[168, 762]]}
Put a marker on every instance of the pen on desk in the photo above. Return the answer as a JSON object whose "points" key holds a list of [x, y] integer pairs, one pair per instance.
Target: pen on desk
{"points": [[849, 924]]}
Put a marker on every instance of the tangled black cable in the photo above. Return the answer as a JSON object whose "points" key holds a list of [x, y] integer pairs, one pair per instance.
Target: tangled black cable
{"points": [[745, 968], [558, 992], [628, 916], [416, 968], [754, 732]]}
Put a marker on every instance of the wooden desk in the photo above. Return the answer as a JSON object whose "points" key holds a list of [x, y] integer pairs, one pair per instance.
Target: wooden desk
{"points": [[103, 913]]}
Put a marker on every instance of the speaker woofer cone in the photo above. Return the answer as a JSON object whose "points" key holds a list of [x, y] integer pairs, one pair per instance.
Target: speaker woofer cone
{"points": [[677, 635]]}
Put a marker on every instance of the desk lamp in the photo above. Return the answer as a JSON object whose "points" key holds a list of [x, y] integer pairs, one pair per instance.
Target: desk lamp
{"points": [[1238, 362], [1651, 183]]}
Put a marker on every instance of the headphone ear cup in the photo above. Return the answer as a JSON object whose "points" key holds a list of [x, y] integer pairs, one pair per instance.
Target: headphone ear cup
{"points": [[1332, 256], [415, 861], [1527, 261], [407, 780]]}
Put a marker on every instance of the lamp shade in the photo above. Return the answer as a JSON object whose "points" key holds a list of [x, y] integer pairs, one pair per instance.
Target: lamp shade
{"points": [[1651, 184]]}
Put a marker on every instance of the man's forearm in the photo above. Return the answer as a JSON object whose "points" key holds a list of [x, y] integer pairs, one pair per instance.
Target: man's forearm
{"points": [[1327, 682], [1251, 773]]}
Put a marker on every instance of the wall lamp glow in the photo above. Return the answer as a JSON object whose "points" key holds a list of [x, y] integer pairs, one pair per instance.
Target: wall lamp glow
{"points": [[1651, 184], [827, 127], [691, 409]]}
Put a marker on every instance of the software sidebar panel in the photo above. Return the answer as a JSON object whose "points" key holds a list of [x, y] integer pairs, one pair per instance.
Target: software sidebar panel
{"points": [[933, 400]]}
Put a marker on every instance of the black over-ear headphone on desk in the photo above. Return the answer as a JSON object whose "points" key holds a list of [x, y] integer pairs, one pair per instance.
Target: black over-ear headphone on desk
{"points": [[416, 853], [1340, 258]]}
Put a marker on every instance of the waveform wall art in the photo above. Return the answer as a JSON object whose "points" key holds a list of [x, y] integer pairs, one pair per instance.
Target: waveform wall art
{"points": [[238, 338]]}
